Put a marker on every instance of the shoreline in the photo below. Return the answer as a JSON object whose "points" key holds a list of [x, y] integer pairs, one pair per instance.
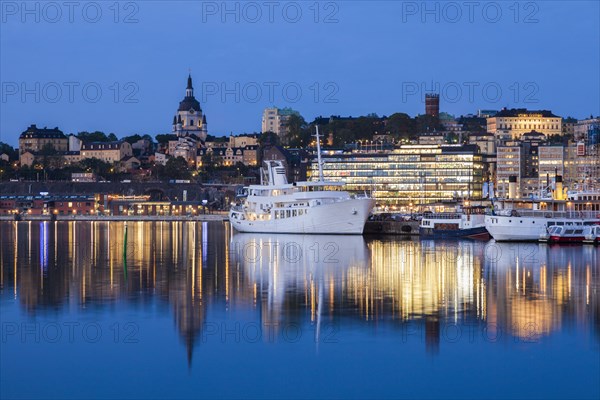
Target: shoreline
{"points": [[109, 218]]}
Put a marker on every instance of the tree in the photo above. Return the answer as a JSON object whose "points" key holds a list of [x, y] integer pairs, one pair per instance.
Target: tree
{"points": [[97, 136], [295, 125], [8, 149], [165, 138], [132, 138], [96, 166], [48, 150], [210, 161], [177, 168], [401, 126], [269, 139], [220, 139], [50, 159], [427, 123]]}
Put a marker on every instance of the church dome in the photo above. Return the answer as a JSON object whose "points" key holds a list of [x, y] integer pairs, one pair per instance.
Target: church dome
{"points": [[188, 103]]}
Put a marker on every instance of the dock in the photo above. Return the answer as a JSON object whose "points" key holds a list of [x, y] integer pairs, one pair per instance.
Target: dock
{"points": [[392, 227]]}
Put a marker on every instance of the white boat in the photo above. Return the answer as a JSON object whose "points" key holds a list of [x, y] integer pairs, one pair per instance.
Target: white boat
{"points": [[592, 235], [531, 219], [466, 222], [564, 234], [277, 206]]}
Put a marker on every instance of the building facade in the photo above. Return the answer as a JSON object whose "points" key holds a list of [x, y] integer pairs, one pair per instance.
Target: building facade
{"points": [[409, 175], [432, 104], [508, 163], [512, 124], [275, 120], [110, 152], [34, 139]]}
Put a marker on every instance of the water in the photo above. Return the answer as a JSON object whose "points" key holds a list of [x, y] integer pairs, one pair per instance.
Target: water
{"points": [[204, 312]]}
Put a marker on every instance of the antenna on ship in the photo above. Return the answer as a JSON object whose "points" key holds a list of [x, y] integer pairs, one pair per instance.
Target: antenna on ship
{"points": [[319, 154]]}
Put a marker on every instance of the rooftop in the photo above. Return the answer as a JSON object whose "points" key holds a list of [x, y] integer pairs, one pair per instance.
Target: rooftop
{"points": [[33, 132], [516, 112]]}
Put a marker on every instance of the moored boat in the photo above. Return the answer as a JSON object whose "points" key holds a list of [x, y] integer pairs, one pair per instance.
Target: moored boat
{"points": [[277, 206], [467, 223], [531, 219], [565, 234], [592, 235]]}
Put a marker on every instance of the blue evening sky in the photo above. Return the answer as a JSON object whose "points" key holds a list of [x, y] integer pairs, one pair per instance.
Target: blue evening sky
{"points": [[122, 67]]}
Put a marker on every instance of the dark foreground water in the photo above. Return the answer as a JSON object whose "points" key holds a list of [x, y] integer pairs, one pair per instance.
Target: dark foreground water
{"points": [[194, 310]]}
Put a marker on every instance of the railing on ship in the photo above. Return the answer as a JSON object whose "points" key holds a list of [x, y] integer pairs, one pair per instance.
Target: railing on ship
{"points": [[448, 215], [549, 214]]}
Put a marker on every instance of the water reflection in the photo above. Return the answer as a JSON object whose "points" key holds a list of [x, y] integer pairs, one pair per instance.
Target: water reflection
{"points": [[204, 272]]}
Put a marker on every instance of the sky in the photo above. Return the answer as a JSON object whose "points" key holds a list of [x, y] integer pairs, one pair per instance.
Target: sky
{"points": [[122, 66]]}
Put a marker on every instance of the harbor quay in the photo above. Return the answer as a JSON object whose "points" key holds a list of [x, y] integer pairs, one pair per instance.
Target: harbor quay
{"points": [[114, 201]]}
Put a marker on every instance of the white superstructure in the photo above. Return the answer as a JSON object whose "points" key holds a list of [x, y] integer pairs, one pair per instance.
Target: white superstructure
{"points": [[528, 220], [277, 206]]}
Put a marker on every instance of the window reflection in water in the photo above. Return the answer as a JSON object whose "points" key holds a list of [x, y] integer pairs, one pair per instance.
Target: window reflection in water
{"points": [[523, 291]]}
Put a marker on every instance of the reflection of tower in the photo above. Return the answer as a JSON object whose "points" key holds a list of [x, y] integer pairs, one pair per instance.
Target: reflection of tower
{"points": [[432, 334], [432, 104], [184, 294]]}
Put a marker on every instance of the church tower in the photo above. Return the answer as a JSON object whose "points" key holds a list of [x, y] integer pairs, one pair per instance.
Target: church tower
{"points": [[189, 119]]}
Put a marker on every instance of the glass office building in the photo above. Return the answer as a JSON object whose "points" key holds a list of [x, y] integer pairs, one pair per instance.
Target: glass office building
{"points": [[410, 174]]}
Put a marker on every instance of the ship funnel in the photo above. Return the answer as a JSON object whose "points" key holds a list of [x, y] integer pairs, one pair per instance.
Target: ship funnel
{"points": [[558, 190], [512, 187], [276, 173]]}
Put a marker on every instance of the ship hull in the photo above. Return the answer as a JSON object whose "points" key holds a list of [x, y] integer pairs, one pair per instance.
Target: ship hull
{"points": [[342, 218], [478, 233], [566, 239], [525, 229], [513, 230]]}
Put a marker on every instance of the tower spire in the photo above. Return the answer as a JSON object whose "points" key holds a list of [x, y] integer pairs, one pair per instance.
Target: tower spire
{"points": [[189, 91]]}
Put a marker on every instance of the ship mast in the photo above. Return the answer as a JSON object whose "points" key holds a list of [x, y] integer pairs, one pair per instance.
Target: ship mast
{"points": [[319, 154]]}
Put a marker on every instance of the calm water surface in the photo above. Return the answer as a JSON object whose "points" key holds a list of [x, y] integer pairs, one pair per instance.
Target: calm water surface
{"points": [[191, 309]]}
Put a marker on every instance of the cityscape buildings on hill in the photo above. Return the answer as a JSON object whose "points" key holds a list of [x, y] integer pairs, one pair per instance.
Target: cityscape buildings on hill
{"points": [[442, 158]]}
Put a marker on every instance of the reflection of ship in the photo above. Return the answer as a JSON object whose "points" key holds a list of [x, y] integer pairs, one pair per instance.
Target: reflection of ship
{"points": [[313, 266], [200, 270], [279, 259], [302, 207], [532, 288]]}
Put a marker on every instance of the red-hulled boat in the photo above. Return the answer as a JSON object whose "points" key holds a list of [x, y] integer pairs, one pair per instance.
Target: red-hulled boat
{"points": [[564, 234]]}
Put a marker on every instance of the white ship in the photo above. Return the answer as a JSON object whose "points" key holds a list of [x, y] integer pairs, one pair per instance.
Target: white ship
{"points": [[465, 222], [277, 206], [531, 219]]}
